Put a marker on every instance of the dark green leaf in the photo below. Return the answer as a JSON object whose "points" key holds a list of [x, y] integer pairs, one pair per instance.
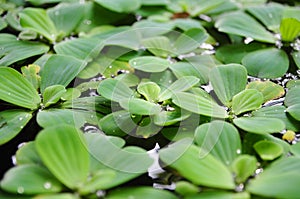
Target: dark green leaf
{"points": [[63, 150], [15, 89]]}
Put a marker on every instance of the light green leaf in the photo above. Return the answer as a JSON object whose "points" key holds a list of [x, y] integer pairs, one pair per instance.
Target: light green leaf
{"points": [[260, 125], [228, 80], [149, 64], [140, 192], [295, 149], [269, 89], [166, 118], [296, 57], [66, 16], [52, 94], [131, 160], [278, 112], [13, 50], [243, 167], [247, 100], [289, 29], [30, 72], [182, 84], [147, 28], [159, 46], [150, 90], [269, 14], [120, 5], [292, 97], [140, 107], [294, 111], [114, 90], [71, 93], [220, 139], [36, 19], [199, 104], [30, 179], [216, 194], [190, 40], [239, 23], [272, 182], [15, 89], [60, 70], [63, 150], [11, 123], [27, 154], [268, 150], [147, 128], [186, 159], [185, 188], [80, 48], [266, 63], [52, 117], [57, 196]]}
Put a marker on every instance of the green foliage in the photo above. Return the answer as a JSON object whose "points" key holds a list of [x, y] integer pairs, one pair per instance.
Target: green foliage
{"points": [[150, 99]]}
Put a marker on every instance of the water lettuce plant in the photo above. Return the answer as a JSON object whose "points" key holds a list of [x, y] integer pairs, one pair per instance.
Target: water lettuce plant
{"points": [[143, 99]]}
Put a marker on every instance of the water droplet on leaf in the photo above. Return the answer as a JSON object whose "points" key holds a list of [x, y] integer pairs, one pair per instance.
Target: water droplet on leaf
{"points": [[20, 190], [238, 151], [47, 185]]}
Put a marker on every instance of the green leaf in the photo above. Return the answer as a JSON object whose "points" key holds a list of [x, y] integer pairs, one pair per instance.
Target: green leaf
{"points": [[147, 128], [260, 125], [166, 118], [15, 89], [239, 23], [272, 182], [60, 70], [266, 63], [57, 196], [131, 160], [66, 16], [294, 111], [63, 150], [269, 14], [234, 53], [114, 90], [159, 46], [289, 29], [190, 40], [278, 112], [182, 84], [269, 89], [80, 48], [292, 97], [118, 123], [149, 64], [184, 158], [228, 80], [185, 188], [296, 57], [247, 100], [140, 107], [150, 90], [147, 28], [52, 117], [199, 104], [216, 194], [13, 50], [243, 167], [30, 179], [220, 139], [120, 5], [140, 192], [295, 149], [11, 123], [268, 150], [52, 94], [27, 154], [30, 72], [36, 19]]}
